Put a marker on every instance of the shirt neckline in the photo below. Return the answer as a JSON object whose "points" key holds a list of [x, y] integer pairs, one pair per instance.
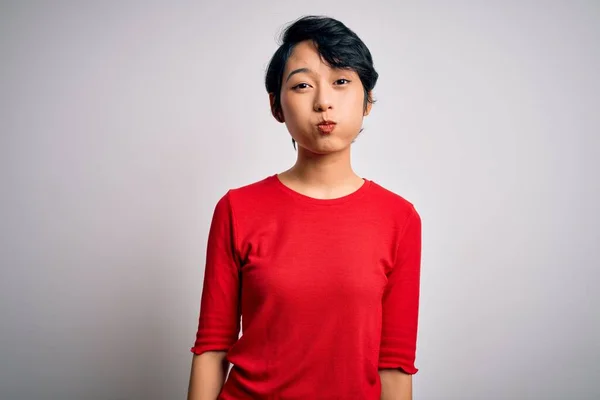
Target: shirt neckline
{"points": [[314, 200]]}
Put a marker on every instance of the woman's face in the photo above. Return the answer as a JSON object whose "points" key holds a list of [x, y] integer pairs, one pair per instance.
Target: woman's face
{"points": [[312, 92]]}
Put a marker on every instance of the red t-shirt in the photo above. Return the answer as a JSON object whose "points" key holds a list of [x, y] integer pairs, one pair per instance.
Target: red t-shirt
{"points": [[327, 291]]}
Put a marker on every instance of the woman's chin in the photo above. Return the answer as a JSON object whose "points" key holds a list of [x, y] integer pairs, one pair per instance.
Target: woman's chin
{"points": [[327, 145]]}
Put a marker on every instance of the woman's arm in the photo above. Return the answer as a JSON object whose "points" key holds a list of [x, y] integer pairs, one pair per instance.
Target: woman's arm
{"points": [[395, 385], [207, 376], [401, 314], [220, 306]]}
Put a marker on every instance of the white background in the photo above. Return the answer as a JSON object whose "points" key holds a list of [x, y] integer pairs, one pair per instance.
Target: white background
{"points": [[122, 124]]}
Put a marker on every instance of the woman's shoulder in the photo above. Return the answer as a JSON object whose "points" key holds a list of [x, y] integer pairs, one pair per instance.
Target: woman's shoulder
{"points": [[249, 194], [391, 198], [253, 188]]}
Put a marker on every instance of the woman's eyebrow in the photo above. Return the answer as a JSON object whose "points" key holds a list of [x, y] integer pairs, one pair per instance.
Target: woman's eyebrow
{"points": [[297, 71]]}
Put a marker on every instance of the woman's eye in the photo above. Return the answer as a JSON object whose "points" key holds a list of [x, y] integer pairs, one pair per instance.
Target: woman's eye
{"points": [[301, 86]]}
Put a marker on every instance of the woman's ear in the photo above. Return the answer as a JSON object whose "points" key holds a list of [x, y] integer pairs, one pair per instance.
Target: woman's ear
{"points": [[369, 103], [277, 114]]}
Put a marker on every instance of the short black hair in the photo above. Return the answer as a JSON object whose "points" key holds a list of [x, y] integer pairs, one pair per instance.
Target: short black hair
{"points": [[337, 44]]}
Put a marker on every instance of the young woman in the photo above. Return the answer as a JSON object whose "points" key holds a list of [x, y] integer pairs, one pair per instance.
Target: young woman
{"points": [[321, 266]]}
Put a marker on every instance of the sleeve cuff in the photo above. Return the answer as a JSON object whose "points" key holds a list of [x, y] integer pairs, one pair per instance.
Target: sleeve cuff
{"points": [[404, 367], [204, 348]]}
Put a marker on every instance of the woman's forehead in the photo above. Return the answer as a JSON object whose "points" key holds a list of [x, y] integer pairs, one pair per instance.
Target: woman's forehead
{"points": [[306, 58], [305, 52]]}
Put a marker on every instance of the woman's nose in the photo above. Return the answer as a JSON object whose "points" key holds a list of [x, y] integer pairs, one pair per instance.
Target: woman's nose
{"points": [[323, 101]]}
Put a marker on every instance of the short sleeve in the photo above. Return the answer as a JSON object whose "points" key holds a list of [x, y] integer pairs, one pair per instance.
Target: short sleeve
{"points": [[219, 320], [401, 301]]}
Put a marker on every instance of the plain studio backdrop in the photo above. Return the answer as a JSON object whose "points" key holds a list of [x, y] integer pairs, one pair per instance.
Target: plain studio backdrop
{"points": [[124, 122]]}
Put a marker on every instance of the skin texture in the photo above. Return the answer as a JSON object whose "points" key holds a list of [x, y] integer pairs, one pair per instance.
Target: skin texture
{"points": [[322, 168], [395, 385], [321, 93], [207, 376]]}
